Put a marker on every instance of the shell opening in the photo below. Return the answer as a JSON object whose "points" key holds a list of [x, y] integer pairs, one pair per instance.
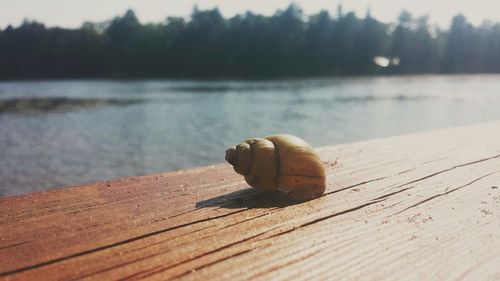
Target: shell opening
{"points": [[231, 156]]}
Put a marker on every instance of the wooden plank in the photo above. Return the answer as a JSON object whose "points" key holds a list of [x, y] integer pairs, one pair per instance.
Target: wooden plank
{"points": [[422, 206]]}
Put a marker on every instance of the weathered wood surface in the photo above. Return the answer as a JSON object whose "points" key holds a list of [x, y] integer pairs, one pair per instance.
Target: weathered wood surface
{"points": [[423, 206]]}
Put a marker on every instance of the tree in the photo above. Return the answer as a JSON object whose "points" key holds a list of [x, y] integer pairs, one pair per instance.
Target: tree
{"points": [[319, 44], [461, 49], [371, 41]]}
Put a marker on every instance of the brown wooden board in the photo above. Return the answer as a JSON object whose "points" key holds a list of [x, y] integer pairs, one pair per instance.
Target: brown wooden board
{"points": [[424, 206]]}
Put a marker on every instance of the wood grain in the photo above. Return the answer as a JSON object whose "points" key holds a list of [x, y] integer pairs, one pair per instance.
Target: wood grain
{"points": [[424, 206]]}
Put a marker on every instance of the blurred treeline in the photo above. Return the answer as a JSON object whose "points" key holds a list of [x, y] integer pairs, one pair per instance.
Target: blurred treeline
{"points": [[248, 46]]}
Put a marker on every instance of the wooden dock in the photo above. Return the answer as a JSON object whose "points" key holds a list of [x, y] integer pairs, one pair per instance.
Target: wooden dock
{"points": [[418, 207]]}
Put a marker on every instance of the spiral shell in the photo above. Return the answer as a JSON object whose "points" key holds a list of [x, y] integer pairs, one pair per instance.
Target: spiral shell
{"points": [[280, 162]]}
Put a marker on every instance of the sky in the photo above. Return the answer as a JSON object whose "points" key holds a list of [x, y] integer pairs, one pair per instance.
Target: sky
{"points": [[72, 13]]}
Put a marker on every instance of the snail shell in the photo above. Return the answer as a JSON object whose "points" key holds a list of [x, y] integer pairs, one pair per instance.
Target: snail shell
{"points": [[280, 162]]}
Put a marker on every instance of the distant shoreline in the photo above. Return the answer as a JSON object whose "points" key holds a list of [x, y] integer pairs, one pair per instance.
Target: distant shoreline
{"points": [[285, 45], [250, 79]]}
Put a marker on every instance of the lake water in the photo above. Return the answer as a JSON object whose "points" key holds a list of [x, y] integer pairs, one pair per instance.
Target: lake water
{"points": [[58, 133]]}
